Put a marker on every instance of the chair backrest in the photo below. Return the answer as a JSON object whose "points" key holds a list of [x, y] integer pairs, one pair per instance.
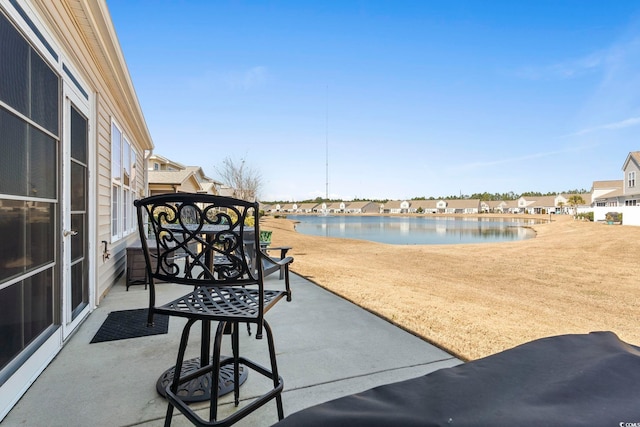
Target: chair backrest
{"points": [[199, 239]]}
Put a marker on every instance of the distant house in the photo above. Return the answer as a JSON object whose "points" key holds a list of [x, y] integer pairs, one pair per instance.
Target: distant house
{"points": [[631, 170], [167, 176], [362, 207], [537, 205], [338, 207], [424, 206], [173, 181], [626, 202], [308, 207], [226, 191], [207, 185], [493, 206], [396, 207], [320, 208], [266, 207], [607, 193], [285, 207], [156, 162], [459, 206], [72, 160], [511, 206]]}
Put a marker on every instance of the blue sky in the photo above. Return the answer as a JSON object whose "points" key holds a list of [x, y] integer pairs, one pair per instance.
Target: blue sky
{"points": [[412, 98]]}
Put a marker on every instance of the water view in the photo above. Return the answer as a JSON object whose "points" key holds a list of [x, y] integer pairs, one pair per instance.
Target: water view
{"points": [[416, 230]]}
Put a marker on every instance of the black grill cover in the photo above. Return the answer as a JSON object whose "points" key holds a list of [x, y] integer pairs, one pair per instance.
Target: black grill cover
{"points": [[568, 380]]}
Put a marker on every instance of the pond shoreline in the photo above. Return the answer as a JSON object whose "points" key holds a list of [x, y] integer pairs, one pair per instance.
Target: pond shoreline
{"points": [[478, 299], [417, 230]]}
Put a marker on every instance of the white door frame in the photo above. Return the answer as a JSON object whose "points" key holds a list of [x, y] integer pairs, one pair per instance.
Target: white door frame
{"points": [[71, 95]]}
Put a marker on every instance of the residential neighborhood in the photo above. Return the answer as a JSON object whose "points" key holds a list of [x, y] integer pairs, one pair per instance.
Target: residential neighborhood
{"points": [[622, 196]]}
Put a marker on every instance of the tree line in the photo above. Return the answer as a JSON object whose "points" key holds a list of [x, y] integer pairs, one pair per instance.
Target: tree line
{"points": [[502, 196], [482, 196]]}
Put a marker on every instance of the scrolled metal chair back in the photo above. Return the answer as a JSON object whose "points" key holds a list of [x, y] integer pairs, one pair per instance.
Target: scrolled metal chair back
{"points": [[198, 239]]}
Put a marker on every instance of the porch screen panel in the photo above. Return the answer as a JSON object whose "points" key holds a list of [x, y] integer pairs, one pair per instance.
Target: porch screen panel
{"points": [[40, 246], [42, 170], [37, 309], [44, 94], [79, 220], [30, 102], [13, 161], [27, 312], [14, 67], [10, 320]]}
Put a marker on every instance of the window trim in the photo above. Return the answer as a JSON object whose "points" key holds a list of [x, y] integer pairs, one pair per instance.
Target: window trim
{"points": [[123, 212]]}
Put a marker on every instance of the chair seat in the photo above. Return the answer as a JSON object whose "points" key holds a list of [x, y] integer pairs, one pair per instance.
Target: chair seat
{"points": [[221, 303]]}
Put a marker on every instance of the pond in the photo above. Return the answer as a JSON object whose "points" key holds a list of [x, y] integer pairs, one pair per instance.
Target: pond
{"points": [[422, 230]]}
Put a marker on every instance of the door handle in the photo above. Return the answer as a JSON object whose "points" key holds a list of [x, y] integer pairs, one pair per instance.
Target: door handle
{"points": [[67, 233]]}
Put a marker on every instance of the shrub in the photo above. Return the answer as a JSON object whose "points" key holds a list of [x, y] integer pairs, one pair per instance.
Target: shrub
{"points": [[586, 216], [614, 216]]}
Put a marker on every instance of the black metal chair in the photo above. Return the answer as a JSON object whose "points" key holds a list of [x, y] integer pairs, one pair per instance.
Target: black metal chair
{"points": [[209, 233]]}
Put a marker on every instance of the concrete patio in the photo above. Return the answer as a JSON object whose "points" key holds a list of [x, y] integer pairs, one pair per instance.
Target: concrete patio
{"points": [[327, 348]]}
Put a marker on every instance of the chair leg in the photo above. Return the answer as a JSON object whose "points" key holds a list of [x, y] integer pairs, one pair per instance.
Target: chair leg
{"points": [[178, 369], [215, 370], [286, 283], [274, 367], [235, 345]]}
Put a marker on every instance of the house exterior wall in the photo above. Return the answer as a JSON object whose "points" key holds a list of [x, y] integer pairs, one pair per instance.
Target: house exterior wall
{"points": [[86, 49], [161, 188], [112, 103], [631, 177], [627, 203], [190, 186]]}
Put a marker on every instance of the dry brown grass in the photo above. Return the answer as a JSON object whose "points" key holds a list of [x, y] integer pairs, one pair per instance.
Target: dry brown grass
{"points": [[478, 299]]}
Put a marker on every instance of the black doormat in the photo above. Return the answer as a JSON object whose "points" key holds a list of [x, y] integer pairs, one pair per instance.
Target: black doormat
{"points": [[124, 324]]}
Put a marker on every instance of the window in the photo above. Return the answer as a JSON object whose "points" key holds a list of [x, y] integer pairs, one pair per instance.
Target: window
{"points": [[632, 179], [630, 202], [123, 182]]}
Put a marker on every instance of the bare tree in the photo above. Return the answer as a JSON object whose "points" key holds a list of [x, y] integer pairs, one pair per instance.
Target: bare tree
{"points": [[244, 180]]}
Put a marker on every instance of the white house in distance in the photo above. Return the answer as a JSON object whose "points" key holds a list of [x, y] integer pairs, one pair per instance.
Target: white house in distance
{"points": [[538, 205], [606, 193], [424, 206], [362, 207], [624, 199], [458, 206], [73, 141], [396, 206]]}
